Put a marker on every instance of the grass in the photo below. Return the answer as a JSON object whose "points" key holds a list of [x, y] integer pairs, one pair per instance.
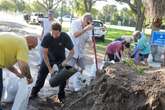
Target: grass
{"points": [[111, 35]]}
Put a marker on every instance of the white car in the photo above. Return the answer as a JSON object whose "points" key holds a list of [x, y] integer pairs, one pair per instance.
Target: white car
{"points": [[66, 18], [36, 18], [99, 29]]}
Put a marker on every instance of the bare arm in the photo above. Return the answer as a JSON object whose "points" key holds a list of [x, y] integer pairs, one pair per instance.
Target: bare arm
{"points": [[87, 28], [25, 70], [41, 37], [70, 55], [15, 71], [42, 33], [46, 59]]}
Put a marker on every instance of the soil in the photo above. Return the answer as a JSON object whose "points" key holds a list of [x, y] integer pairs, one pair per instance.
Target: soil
{"points": [[121, 88]]}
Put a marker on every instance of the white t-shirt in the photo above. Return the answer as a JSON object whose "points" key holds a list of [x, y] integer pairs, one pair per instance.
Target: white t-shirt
{"points": [[46, 26], [80, 41]]}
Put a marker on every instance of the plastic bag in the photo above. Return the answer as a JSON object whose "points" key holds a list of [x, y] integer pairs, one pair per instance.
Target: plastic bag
{"points": [[22, 96], [10, 86], [74, 82]]}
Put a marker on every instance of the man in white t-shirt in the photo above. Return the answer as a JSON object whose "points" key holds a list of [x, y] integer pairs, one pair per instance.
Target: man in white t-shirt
{"points": [[46, 25], [81, 33]]}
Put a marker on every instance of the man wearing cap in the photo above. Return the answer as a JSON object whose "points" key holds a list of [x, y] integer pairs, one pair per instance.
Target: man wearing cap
{"points": [[14, 49], [81, 33]]}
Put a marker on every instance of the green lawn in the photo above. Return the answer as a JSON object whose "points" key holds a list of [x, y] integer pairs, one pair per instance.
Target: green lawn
{"points": [[110, 36]]}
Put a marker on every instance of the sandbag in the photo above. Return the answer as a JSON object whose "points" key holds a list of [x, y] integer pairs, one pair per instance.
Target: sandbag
{"points": [[62, 75], [74, 82], [10, 86], [22, 96]]}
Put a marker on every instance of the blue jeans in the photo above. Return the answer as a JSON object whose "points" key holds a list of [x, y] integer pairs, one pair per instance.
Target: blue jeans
{"points": [[1, 86]]}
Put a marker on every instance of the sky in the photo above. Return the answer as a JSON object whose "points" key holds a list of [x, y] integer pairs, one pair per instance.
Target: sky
{"points": [[100, 4]]}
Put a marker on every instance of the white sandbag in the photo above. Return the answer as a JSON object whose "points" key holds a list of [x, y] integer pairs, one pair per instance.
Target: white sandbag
{"points": [[93, 71], [22, 96], [90, 71], [10, 86], [74, 82]]}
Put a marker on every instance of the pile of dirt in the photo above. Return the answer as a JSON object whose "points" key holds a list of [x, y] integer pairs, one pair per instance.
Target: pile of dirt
{"points": [[121, 88]]}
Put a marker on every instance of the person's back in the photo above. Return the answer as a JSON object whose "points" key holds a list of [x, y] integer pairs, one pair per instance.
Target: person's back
{"points": [[143, 45], [12, 48], [113, 47]]}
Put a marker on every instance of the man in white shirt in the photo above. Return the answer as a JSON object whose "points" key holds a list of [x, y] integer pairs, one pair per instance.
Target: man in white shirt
{"points": [[81, 33], [46, 25]]}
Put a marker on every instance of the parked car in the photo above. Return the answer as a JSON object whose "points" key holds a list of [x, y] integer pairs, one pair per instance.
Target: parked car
{"points": [[26, 17], [65, 18], [35, 18], [99, 29]]}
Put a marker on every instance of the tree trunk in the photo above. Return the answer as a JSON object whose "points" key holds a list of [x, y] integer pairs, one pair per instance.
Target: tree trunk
{"points": [[88, 5], [140, 21]]}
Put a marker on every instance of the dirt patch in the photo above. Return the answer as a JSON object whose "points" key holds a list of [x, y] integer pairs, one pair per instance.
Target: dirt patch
{"points": [[121, 88]]}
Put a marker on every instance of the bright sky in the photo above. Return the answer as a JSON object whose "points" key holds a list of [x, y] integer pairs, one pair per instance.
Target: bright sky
{"points": [[100, 4]]}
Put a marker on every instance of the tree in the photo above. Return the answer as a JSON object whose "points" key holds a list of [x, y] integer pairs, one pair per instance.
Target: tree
{"points": [[36, 7], [155, 10], [82, 6], [138, 8], [28, 8], [109, 12], [7, 5], [128, 17], [20, 5], [49, 4], [89, 3]]}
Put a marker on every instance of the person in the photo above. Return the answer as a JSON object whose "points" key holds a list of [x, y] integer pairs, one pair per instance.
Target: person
{"points": [[81, 33], [129, 39], [54, 44], [14, 49], [46, 28], [46, 24], [142, 49], [115, 49]]}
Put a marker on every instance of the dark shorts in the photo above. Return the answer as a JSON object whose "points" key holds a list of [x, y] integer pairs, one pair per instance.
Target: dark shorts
{"points": [[113, 57], [143, 56]]}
